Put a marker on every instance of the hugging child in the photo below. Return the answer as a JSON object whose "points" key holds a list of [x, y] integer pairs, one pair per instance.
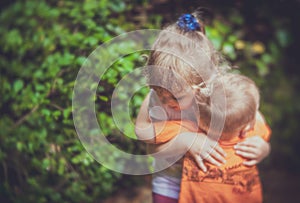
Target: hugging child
{"points": [[182, 57], [179, 59], [232, 182]]}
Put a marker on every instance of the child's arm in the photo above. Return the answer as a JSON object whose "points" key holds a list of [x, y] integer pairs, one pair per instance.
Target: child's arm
{"points": [[254, 148], [144, 129], [178, 137], [198, 145]]}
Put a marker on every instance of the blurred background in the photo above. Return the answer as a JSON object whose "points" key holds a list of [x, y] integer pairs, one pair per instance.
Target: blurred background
{"points": [[42, 47]]}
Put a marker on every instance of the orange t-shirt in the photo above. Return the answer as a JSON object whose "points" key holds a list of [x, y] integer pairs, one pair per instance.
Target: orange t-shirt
{"points": [[232, 182]]}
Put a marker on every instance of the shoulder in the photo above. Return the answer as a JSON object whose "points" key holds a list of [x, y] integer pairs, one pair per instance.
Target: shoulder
{"points": [[261, 128], [259, 117]]}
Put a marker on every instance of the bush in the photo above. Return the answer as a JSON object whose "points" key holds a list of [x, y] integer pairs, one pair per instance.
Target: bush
{"points": [[43, 44]]}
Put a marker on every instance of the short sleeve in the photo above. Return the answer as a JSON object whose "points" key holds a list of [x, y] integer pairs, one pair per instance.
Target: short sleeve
{"points": [[165, 131], [262, 129]]}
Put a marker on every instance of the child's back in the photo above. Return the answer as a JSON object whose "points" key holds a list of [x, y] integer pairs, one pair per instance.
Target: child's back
{"points": [[233, 181]]}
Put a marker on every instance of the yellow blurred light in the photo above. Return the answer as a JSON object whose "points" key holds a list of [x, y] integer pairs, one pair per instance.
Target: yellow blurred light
{"points": [[239, 44], [258, 48]]}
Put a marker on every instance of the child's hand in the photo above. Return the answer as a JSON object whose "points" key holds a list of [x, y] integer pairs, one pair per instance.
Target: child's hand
{"points": [[253, 148], [204, 148]]}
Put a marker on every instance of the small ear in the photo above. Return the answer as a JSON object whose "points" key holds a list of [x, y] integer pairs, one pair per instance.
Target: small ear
{"points": [[244, 131], [248, 127]]}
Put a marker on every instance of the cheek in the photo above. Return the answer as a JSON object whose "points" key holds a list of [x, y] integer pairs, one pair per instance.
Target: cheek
{"points": [[173, 104], [186, 103]]}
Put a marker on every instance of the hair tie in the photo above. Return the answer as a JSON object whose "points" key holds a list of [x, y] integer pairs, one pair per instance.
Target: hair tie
{"points": [[205, 90], [188, 22]]}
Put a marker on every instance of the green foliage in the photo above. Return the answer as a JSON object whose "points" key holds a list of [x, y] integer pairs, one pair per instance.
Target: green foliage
{"points": [[43, 45]]}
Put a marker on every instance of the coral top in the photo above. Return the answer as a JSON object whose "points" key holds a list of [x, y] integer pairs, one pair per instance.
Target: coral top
{"points": [[232, 182]]}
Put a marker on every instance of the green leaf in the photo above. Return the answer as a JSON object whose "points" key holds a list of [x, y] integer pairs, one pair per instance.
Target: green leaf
{"points": [[283, 37], [223, 28], [237, 19], [228, 49], [103, 98], [67, 112], [61, 166], [262, 68], [13, 38], [267, 58], [18, 85], [46, 112], [80, 60], [19, 146], [46, 164]]}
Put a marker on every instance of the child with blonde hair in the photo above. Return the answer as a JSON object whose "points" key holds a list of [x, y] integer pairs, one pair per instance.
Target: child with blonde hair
{"points": [[233, 181], [182, 57]]}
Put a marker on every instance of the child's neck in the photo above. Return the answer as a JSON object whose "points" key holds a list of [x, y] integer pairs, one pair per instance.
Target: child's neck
{"points": [[227, 136], [230, 136]]}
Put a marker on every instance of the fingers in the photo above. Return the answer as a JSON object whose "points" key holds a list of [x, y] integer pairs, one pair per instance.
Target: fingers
{"points": [[200, 163], [248, 147], [250, 162], [213, 153], [245, 148], [211, 160], [217, 156], [214, 145], [210, 151], [245, 143], [255, 141], [246, 155], [220, 150]]}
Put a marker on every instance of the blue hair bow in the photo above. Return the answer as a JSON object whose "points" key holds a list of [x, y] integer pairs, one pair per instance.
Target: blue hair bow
{"points": [[188, 22]]}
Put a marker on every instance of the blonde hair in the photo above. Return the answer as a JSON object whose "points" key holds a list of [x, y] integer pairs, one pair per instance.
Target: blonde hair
{"points": [[241, 103], [180, 59]]}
